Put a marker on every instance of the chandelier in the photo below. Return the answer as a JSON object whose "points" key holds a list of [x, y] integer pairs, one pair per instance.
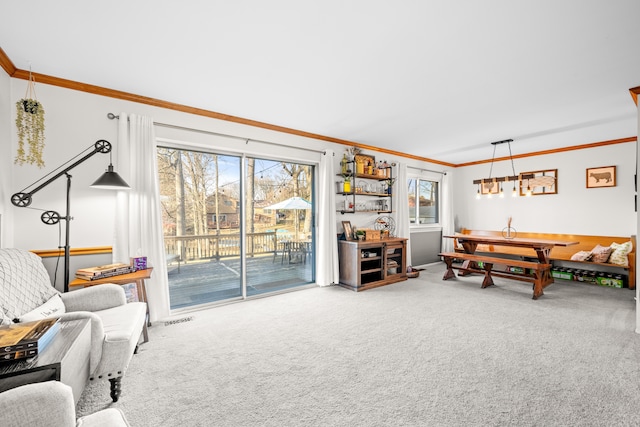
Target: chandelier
{"points": [[495, 185]]}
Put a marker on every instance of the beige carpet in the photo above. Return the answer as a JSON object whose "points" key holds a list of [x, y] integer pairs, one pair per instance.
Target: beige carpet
{"points": [[424, 352]]}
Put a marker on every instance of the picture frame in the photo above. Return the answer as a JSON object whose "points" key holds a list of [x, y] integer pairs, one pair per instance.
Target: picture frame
{"points": [[348, 230], [603, 176], [541, 183]]}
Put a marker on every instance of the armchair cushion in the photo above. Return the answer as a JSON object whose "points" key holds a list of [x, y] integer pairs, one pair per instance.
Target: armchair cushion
{"points": [[51, 404]]}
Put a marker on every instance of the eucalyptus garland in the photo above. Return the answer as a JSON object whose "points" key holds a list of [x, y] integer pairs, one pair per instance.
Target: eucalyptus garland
{"points": [[30, 124]]}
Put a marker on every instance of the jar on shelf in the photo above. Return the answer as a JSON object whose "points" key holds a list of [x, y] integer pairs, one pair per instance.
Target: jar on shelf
{"points": [[347, 186]]}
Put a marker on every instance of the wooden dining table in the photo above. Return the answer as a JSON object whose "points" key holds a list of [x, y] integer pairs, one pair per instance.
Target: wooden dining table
{"points": [[541, 247]]}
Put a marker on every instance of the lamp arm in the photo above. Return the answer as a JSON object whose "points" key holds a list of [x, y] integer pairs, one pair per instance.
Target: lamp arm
{"points": [[23, 199]]}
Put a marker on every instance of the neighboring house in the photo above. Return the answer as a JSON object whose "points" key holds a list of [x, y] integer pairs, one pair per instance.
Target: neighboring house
{"points": [[228, 215]]}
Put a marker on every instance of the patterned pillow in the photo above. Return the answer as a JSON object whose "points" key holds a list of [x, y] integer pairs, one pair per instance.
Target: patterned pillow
{"points": [[620, 252], [582, 256], [600, 253]]}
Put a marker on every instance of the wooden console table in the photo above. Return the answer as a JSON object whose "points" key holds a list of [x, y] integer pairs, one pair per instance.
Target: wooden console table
{"points": [[371, 263], [137, 277], [65, 359]]}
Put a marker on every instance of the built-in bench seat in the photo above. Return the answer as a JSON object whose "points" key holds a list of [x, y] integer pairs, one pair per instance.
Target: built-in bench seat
{"points": [[562, 254], [528, 271]]}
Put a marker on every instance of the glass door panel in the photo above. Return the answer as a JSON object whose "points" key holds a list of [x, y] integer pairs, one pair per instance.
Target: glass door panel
{"points": [[200, 202], [279, 225]]}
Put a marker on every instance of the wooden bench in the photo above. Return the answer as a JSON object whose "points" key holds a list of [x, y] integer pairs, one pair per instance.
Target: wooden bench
{"points": [[533, 272], [563, 254]]}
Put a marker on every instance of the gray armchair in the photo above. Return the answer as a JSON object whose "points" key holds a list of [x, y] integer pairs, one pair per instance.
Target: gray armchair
{"points": [[50, 404], [116, 326]]}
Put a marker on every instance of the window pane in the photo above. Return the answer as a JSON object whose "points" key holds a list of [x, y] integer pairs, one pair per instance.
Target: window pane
{"points": [[428, 202], [412, 200]]}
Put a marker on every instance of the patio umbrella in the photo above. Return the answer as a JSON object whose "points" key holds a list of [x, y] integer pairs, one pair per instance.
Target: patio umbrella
{"points": [[291, 203]]}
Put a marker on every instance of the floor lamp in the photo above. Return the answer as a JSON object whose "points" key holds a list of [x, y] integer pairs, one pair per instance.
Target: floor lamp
{"points": [[110, 180]]}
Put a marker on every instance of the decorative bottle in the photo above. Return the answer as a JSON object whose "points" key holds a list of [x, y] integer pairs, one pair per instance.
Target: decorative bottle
{"points": [[343, 164]]}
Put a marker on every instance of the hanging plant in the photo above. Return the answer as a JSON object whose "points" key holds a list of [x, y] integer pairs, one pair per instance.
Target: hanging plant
{"points": [[30, 124]]}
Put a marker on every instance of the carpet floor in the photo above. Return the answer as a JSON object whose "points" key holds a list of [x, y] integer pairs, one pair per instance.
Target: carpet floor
{"points": [[424, 352]]}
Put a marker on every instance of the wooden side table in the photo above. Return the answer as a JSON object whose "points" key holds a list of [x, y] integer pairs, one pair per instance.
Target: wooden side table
{"points": [[137, 277]]}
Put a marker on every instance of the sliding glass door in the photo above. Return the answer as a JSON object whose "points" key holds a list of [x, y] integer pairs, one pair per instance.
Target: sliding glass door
{"points": [[231, 227]]}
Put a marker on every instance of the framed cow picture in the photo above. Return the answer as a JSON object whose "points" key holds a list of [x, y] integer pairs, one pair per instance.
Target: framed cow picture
{"points": [[539, 182], [604, 176]]}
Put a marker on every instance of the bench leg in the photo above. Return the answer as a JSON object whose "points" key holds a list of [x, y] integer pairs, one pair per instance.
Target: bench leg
{"points": [[449, 273], [488, 280], [537, 285]]}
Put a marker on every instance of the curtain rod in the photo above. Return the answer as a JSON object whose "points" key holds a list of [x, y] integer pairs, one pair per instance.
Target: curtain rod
{"points": [[426, 170], [112, 116]]}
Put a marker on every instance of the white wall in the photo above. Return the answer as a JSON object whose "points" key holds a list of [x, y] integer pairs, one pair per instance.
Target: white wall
{"points": [[76, 120], [607, 211], [6, 158]]}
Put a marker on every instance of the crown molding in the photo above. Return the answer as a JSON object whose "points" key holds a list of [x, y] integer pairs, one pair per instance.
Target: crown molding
{"points": [[635, 91], [554, 151], [6, 63]]}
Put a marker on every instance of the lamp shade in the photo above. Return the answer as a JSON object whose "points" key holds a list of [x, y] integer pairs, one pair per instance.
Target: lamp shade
{"points": [[110, 180]]}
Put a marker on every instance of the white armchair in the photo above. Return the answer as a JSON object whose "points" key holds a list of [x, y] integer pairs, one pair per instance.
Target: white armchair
{"points": [[26, 293], [50, 404]]}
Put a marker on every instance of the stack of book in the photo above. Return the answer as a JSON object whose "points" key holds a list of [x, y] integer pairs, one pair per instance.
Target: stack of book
{"points": [[28, 339], [100, 272]]}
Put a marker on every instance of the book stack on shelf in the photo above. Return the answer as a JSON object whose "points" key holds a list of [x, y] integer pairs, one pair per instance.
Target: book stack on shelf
{"points": [[25, 340], [100, 272]]}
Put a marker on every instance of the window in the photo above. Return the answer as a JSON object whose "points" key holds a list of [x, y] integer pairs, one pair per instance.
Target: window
{"points": [[424, 201]]}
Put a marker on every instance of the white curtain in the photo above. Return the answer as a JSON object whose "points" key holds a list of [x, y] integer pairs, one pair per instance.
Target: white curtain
{"points": [[327, 268], [401, 207], [448, 221], [138, 217]]}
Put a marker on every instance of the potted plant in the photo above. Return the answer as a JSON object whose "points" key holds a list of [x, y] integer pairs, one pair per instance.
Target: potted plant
{"points": [[30, 125], [389, 182], [360, 234]]}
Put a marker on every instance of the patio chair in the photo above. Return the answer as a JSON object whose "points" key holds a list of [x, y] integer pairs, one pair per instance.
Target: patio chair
{"points": [[283, 249], [298, 252]]}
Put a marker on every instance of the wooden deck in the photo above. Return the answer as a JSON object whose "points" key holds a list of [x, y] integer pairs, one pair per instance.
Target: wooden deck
{"points": [[201, 282]]}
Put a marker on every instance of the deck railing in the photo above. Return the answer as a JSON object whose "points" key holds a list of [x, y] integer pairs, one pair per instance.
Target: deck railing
{"points": [[211, 246]]}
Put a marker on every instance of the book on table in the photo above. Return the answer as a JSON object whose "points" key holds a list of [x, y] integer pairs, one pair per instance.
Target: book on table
{"points": [[23, 340], [100, 272]]}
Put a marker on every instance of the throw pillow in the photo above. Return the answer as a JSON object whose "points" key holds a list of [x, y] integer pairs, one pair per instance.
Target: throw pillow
{"points": [[600, 253], [620, 252], [581, 256], [52, 308]]}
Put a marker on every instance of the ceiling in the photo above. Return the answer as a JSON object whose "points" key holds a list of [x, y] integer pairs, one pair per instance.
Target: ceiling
{"points": [[435, 79]]}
